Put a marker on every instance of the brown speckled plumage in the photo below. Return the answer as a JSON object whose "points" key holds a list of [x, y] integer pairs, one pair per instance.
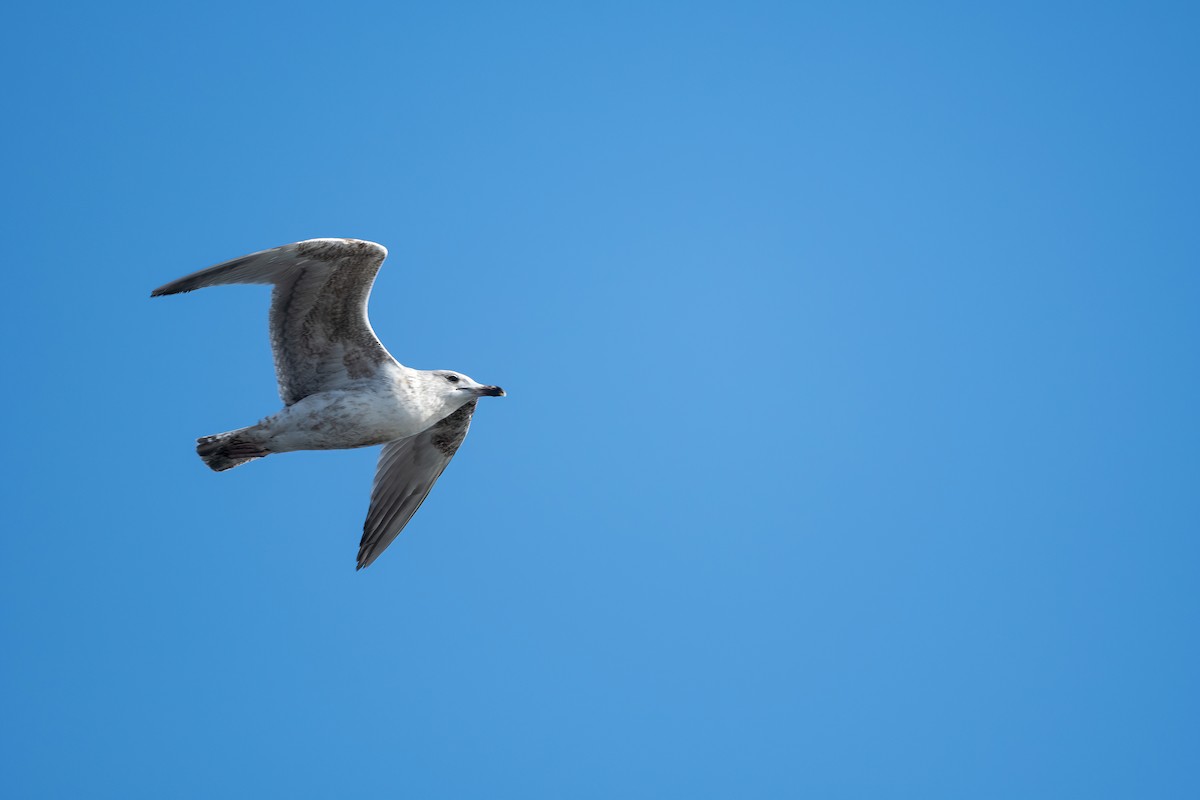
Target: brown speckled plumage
{"points": [[340, 387], [450, 432]]}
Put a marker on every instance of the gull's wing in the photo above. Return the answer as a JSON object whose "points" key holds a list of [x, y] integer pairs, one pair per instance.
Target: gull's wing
{"points": [[407, 470], [319, 329]]}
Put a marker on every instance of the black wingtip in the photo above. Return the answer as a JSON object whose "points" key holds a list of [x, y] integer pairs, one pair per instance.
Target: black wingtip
{"points": [[163, 291]]}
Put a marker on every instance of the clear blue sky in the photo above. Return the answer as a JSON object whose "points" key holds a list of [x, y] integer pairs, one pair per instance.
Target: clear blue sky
{"points": [[851, 441]]}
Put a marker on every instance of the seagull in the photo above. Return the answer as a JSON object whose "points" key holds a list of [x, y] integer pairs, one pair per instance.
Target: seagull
{"points": [[340, 387]]}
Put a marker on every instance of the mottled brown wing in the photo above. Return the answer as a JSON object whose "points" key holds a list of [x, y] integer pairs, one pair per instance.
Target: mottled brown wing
{"points": [[407, 470], [320, 334]]}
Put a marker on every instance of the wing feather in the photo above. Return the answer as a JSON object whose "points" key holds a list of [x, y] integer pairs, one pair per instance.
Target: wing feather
{"points": [[320, 334], [406, 472]]}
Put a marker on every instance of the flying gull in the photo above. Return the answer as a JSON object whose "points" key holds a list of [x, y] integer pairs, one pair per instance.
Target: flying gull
{"points": [[340, 387]]}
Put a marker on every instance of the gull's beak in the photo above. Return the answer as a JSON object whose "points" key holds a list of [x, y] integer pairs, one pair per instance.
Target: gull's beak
{"points": [[490, 391]]}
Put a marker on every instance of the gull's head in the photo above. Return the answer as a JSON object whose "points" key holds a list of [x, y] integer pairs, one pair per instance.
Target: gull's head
{"points": [[456, 389]]}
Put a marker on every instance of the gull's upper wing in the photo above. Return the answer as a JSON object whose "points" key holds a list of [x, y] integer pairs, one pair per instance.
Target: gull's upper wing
{"points": [[407, 470], [319, 329]]}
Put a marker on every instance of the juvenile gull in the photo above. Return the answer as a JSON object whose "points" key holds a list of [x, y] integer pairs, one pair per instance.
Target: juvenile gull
{"points": [[340, 387]]}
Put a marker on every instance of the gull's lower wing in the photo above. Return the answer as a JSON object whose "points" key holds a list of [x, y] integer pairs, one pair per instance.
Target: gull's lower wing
{"points": [[407, 470]]}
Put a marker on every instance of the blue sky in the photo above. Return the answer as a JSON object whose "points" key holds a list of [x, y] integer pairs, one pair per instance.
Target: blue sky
{"points": [[850, 445]]}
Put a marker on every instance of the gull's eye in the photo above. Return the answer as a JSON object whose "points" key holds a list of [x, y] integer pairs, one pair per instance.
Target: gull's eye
{"points": [[452, 378]]}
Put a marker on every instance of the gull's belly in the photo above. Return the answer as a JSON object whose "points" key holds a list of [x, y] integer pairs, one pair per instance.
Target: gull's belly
{"points": [[341, 419]]}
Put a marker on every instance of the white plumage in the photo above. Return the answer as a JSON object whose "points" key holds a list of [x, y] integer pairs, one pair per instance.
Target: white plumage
{"points": [[340, 387]]}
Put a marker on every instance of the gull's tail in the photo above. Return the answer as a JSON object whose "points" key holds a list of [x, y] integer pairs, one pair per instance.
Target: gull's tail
{"points": [[223, 451]]}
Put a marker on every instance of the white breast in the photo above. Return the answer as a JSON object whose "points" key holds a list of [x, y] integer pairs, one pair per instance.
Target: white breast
{"points": [[343, 418]]}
